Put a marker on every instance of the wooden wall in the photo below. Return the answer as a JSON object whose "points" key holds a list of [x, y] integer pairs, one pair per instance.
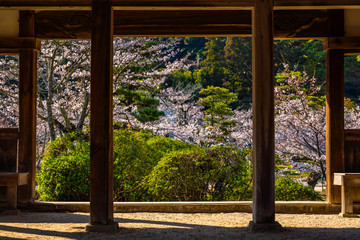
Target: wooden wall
{"points": [[352, 156], [9, 138]]}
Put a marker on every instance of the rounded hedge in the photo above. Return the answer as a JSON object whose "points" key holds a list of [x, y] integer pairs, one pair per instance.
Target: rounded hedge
{"points": [[64, 173], [287, 189], [65, 178], [65, 169], [153, 168], [200, 174]]}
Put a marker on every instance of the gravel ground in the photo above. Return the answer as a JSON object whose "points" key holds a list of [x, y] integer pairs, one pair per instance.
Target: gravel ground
{"points": [[29, 225]]}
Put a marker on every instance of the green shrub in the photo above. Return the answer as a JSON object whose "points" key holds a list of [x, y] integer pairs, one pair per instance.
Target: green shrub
{"points": [[65, 178], [288, 190], [200, 174], [153, 168], [65, 169], [136, 153], [67, 145]]}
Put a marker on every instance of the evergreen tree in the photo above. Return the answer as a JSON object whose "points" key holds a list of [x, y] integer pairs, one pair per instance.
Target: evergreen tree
{"points": [[212, 71], [216, 102], [238, 69]]}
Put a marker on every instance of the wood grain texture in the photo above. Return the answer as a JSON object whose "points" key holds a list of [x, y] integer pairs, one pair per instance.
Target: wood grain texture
{"points": [[13, 178], [352, 151], [263, 114], [185, 23], [300, 24], [9, 133], [316, 4], [346, 196], [346, 43], [173, 4], [350, 183], [19, 43], [334, 108], [46, 4], [352, 134], [126, 4], [11, 181], [77, 24], [334, 120], [101, 118], [27, 109], [8, 149]]}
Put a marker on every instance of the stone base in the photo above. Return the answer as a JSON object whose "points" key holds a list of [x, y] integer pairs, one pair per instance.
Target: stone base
{"points": [[349, 215], [108, 228], [265, 227]]}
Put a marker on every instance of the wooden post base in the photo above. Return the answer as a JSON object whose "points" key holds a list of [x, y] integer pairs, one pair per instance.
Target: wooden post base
{"points": [[347, 181], [349, 215], [104, 228], [265, 227]]}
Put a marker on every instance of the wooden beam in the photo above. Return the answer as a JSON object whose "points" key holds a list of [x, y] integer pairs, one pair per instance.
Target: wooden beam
{"points": [[27, 109], [263, 118], [101, 120], [346, 43], [9, 133], [15, 44], [77, 25], [301, 24], [316, 4], [182, 23], [13, 178], [182, 4], [334, 108], [128, 4], [46, 4], [178, 4], [352, 135]]}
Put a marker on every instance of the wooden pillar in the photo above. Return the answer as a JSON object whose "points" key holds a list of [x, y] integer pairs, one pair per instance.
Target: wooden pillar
{"points": [[101, 119], [334, 108], [263, 117], [27, 109]]}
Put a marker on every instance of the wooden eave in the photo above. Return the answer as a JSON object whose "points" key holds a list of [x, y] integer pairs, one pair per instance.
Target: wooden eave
{"points": [[177, 5], [76, 24], [316, 4]]}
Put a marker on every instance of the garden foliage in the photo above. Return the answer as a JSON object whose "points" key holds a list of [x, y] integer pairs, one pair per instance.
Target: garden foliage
{"points": [[154, 168]]}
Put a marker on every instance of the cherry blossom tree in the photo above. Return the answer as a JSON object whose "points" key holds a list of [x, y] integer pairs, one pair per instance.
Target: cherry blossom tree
{"points": [[140, 65], [183, 115], [63, 85], [301, 123], [139, 77], [9, 98]]}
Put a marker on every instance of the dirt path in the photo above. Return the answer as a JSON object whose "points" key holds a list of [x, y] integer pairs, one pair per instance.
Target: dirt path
{"points": [[169, 226]]}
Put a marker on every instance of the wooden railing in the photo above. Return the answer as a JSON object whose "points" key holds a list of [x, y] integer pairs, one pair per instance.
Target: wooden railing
{"points": [[352, 151], [352, 156], [10, 178]]}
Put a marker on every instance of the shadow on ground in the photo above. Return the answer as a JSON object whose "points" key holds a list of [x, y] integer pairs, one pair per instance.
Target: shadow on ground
{"points": [[27, 227]]}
